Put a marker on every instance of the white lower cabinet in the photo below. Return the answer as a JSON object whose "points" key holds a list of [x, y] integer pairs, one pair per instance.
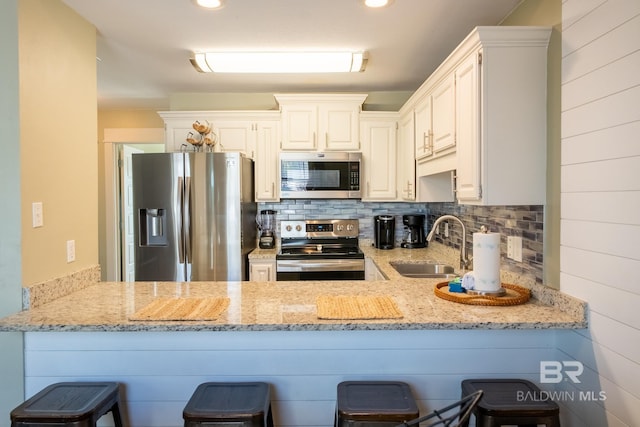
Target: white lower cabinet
{"points": [[262, 270], [378, 135]]}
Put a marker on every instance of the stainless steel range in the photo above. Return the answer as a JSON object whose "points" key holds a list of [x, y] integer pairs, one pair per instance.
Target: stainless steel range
{"points": [[318, 249]]}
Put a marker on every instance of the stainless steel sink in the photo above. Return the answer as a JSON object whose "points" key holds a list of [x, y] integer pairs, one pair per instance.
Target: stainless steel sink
{"points": [[424, 270]]}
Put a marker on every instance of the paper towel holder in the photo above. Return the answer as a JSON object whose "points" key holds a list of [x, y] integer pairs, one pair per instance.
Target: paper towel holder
{"points": [[497, 293]]}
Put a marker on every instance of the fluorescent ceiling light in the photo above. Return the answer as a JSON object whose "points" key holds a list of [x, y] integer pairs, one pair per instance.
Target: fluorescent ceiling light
{"points": [[377, 3], [279, 62], [209, 4]]}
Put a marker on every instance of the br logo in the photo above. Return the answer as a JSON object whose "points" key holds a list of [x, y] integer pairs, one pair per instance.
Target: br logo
{"points": [[553, 371]]}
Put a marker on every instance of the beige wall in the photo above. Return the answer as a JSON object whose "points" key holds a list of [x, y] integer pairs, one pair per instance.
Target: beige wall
{"points": [[108, 119], [58, 122], [549, 13]]}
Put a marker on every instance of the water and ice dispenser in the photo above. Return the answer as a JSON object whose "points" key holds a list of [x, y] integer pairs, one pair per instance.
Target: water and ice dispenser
{"points": [[153, 227]]}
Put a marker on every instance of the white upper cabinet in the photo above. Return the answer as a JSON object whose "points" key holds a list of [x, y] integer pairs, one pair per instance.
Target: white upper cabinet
{"points": [[435, 121], [423, 128], [322, 122], [234, 131], [378, 134], [235, 136], [443, 112], [256, 134], [501, 116], [483, 114], [406, 162], [468, 128], [267, 170]]}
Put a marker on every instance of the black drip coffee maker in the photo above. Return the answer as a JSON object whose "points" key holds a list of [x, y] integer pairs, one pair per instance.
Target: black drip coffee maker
{"points": [[414, 236]]}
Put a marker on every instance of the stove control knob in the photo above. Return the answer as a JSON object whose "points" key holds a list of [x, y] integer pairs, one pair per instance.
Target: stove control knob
{"points": [[340, 227], [350, 227], [288, 228], [298, 227]]}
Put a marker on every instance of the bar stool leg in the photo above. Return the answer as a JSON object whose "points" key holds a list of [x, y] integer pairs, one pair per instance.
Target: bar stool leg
{"points": [[117, 414]]}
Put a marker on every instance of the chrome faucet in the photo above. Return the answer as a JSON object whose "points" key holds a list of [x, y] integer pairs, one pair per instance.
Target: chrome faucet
{"points": [[465, 262]]}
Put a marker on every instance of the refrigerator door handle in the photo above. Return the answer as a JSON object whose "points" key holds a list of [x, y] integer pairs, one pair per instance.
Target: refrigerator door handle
{"points": [[180, 221], [187, 218]]}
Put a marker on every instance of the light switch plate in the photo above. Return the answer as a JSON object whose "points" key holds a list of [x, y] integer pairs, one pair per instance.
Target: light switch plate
{"points": [[37, 214], [514, 248], [71, 250]]}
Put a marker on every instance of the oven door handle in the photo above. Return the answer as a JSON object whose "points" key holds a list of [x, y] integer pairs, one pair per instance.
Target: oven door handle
{"points": [[320, 265]]}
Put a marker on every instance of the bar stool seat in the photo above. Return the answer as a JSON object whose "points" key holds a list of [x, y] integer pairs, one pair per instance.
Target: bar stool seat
{"points": [[71, 404], [511, 402], [246, 404], [374, 403]]}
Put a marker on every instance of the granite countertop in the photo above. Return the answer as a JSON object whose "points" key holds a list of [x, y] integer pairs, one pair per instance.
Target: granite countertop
{"points": [[270, 306]]}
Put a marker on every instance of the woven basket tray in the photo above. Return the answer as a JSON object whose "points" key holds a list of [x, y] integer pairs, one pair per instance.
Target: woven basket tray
{"points": [[515, 295]]}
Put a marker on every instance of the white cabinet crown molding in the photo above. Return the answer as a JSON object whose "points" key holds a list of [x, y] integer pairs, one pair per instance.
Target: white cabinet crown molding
{"points": [[315, 98], [220, 115]]}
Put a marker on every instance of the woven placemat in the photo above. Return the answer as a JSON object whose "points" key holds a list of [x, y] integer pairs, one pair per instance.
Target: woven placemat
{"points": [[182, 309], [515, 295], [350, 307]]}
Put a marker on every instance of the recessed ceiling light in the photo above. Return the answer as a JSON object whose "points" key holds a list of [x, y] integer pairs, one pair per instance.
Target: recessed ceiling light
{"points": [[377, 3], [209, 4]]}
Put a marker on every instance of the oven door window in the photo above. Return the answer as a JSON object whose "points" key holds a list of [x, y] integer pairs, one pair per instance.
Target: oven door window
{"points": [[319, 176]]}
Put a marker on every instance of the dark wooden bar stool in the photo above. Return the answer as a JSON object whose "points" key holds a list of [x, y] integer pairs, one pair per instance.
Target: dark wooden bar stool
{"points": [[511, 402], [246, 404], [374, 404], [70, 404]]}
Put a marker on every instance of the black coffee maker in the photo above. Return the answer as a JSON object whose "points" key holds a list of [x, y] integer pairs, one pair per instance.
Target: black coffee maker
{"points": [[413, 232], [384, 231]]}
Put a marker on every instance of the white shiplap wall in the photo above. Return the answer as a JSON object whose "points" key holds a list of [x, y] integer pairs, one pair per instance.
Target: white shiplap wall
{"points": [[161, 370], [600, 209]]}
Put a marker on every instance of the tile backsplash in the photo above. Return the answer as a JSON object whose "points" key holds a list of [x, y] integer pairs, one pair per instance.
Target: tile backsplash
{"points": [[523, 221]]}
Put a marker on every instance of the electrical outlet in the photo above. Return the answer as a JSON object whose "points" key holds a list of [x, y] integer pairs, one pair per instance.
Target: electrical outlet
{"points": [[446, 229], [514, 248], [37, 214], [71, 250]]}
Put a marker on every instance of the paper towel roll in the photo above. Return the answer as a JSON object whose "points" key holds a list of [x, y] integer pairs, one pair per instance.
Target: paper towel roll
{"points": [[486, 261]]}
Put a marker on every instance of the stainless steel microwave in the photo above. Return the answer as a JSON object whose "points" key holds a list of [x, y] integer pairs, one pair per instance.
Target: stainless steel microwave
{"points": [[332, 175]]}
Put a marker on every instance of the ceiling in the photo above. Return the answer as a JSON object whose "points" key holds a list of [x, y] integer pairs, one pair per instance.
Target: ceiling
{"points": [[144, 46]]}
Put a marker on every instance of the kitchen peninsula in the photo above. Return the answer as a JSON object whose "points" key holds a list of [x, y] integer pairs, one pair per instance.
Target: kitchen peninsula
{"points": [[290, 306], [271, 332]]}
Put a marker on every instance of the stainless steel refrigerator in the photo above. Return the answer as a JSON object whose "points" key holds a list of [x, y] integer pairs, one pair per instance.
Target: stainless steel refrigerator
{"points": [[194, 216]]}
